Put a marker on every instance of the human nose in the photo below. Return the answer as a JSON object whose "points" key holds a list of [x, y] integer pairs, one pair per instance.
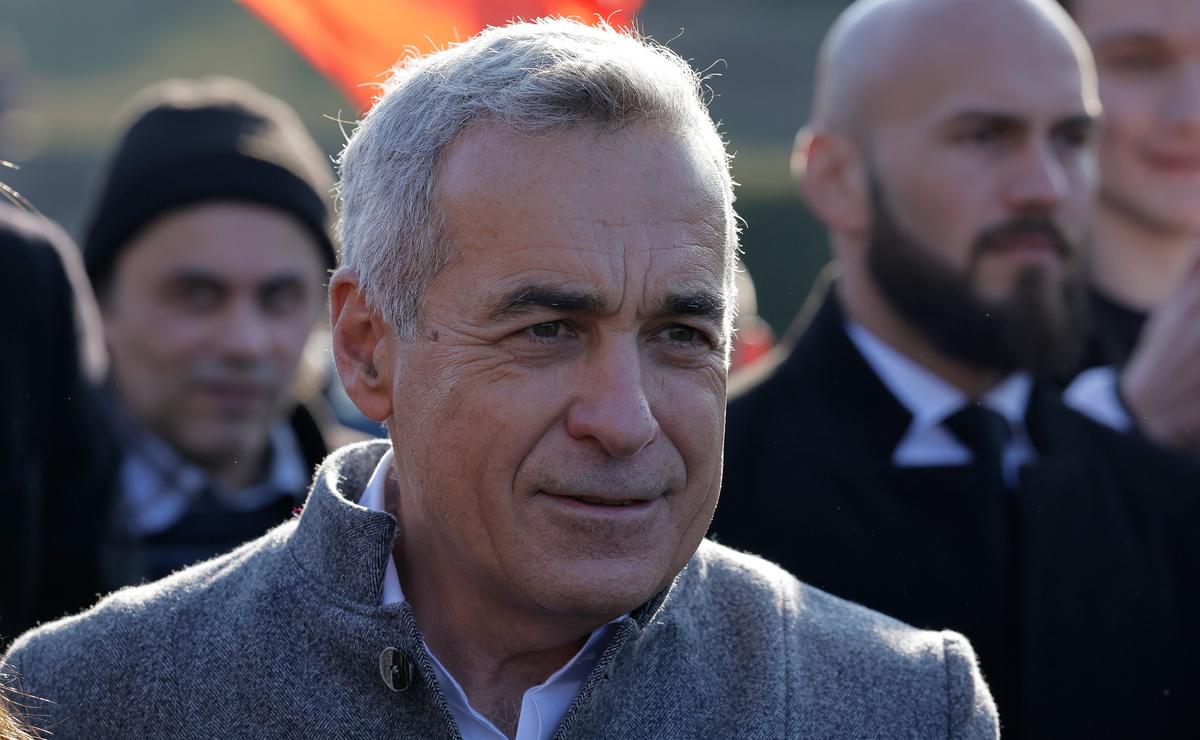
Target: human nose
{"points": [[246, 332], [1042, 181], [611, 406]]}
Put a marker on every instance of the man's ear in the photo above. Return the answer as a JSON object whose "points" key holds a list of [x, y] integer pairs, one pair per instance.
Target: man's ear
{"points": [[832, 175], [363, 347]]}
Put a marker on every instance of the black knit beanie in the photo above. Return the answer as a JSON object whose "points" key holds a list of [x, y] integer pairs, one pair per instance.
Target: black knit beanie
{"points": [[199, 140]]}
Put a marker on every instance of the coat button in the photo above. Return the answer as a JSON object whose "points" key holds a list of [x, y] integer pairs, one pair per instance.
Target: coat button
{"points": [[396, 669]]}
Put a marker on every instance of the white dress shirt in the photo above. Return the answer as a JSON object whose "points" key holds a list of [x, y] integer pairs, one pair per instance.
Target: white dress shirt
{"points": [[1094, 394], [930, 400], [543, 706]]}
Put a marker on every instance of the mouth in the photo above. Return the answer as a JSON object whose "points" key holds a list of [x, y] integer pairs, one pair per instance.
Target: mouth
{"points": [[1028, 246], [1035, 242], [235, 389], [598, 501], [234, 397], [599, 504], [1182, 164]]}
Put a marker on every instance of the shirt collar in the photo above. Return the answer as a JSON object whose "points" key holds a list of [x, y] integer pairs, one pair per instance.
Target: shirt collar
{"points": [[158, 484], [373, 498], [928, 397]]}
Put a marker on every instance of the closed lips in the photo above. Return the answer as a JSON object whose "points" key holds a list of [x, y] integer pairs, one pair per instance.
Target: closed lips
{"points": [[605, 502], [597, 500]]}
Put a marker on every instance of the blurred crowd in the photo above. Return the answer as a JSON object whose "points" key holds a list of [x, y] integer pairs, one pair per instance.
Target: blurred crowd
{"points": [[986, 418]]}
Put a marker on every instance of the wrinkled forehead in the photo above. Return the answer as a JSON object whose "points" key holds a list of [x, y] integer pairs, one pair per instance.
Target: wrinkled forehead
{"points": [[979, 59], [563, 174]]}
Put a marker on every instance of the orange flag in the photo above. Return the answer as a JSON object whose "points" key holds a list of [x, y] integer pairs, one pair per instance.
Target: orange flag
{"points": [[355, 42]]}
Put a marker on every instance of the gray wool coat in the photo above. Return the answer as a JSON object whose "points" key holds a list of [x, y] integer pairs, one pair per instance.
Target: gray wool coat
{"points": [[282, 638]]}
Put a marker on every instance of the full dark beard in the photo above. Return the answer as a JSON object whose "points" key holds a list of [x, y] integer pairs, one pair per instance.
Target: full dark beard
{"points": [[1039, 327]]}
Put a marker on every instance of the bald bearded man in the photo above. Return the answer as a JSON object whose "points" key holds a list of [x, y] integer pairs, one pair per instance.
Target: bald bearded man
{"points": [[901, 453]]}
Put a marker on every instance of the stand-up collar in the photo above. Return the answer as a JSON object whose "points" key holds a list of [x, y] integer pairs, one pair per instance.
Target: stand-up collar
{"points": [[343, 546]]}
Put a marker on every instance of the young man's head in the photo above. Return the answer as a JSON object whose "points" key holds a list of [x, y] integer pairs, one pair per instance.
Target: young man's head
{"points": [[208, 248], [1148, 57], [1147, 230], [956, 175]]}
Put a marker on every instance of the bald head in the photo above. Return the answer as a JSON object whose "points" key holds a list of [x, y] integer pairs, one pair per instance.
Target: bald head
{"points": [[887, 57]]}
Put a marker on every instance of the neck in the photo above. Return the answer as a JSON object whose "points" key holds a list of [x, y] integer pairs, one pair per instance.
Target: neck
{"points": [[863, 303], [243, 471], [1135, 264], [493, 648]]}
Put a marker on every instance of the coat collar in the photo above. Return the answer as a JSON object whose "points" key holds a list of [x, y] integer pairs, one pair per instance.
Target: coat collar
{"points": [[339, 544]]}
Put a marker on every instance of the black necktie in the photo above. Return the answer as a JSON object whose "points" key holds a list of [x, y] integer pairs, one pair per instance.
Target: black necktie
{"points": [[986, 433]]}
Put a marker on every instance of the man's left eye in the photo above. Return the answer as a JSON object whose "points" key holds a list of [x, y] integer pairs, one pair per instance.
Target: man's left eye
{"points": [[680, 334], [547, 330]]}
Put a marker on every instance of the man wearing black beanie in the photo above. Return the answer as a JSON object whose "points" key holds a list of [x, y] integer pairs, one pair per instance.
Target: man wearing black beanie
{"points": [[208, 248]]}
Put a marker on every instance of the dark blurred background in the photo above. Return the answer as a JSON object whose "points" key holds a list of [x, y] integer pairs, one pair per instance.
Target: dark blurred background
{"points": [[67, 66]]}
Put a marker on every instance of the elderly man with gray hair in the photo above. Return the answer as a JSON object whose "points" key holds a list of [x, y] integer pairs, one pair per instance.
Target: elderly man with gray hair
{"points": [[538, 247]]}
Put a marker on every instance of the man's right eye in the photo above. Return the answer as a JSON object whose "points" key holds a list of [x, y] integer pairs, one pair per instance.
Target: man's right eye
{"points": [[198, 296], [547, 330], [984, 135]]}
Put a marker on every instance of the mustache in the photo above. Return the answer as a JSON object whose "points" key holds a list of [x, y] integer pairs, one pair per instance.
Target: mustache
{"points": [[996, 236]]}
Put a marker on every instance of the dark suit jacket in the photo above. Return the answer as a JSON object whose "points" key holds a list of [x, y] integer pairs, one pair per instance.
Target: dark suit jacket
{"points": [[1078, 589]]}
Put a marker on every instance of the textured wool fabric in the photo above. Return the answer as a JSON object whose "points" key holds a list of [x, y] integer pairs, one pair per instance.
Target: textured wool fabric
{"points": [[282, 639]]}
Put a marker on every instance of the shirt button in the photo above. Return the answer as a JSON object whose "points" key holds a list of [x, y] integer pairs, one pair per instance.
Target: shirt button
{"points": [[396, 670]]}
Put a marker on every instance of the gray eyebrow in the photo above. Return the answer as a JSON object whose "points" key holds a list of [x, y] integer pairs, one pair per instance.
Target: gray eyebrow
{"points": [[530, 297], [703, 304]]}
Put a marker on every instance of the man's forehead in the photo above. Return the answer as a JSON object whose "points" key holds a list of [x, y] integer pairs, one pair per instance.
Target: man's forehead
{"points": [[582, 198], [601, 276], [1016, 52], [1044, 83], [491, 161], [1174, 21]]}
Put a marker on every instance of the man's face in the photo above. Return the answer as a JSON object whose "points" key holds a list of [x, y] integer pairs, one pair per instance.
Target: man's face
{"points": [[984, 177], [558, 423], [206, 317], [1148, 54]]}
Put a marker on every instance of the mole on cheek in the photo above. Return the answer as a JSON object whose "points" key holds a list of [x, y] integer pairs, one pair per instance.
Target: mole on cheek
{"points": [[433, 335]]}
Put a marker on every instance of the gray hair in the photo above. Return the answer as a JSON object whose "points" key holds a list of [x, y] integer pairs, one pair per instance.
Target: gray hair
{"points": [[535, 78]]}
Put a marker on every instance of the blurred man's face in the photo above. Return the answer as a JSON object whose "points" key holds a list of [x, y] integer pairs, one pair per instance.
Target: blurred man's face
{"points": [[558, 423], [1148, 54], [206, 317], [983, 183]]}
